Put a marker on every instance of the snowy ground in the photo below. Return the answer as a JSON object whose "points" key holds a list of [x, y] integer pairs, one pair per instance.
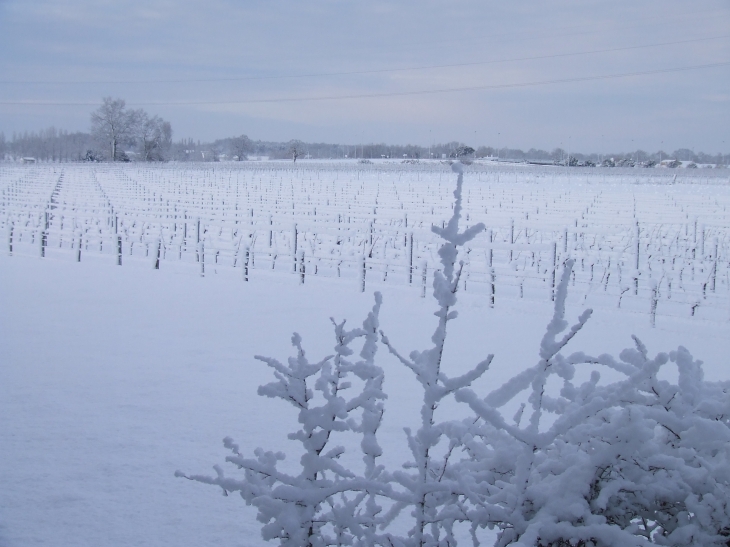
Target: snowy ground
{"points": [[638, 235], [112, 378]]}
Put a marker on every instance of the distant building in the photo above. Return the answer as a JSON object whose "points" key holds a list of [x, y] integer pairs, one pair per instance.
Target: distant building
{"points": [[28, 160]]}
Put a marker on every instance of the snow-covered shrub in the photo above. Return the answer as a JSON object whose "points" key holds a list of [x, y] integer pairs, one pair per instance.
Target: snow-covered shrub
{"points": [[427, 484], [635, 461], [312, 508]]}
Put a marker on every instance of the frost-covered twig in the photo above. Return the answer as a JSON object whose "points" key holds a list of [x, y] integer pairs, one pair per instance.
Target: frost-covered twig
{"points": [[429, 492], [325, 503]]}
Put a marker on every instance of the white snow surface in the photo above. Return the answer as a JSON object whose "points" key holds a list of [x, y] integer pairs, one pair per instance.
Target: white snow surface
{"points": [[112, 378]]}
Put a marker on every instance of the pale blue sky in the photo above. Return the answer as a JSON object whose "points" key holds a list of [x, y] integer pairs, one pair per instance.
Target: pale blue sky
{"points": [[83, 50]]}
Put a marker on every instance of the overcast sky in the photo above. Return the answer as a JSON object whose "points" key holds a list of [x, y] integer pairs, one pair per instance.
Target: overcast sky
{"points": [[390, 59]]}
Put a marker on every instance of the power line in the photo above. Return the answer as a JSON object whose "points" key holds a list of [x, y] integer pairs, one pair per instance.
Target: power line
{"points": [[386, 94], [362, 72]]}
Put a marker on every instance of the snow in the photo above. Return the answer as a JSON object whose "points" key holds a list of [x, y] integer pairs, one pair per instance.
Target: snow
{"points": [[113, 378], [625, 232]]}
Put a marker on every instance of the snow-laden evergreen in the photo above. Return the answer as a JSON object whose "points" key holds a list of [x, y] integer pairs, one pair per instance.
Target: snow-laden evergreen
{"points": [[635, 460]]}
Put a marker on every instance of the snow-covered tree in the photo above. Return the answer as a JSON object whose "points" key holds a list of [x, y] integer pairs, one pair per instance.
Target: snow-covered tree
{"points": [[240, 147], [155, 137], [295, 149], [463, 151], [113, 126]]}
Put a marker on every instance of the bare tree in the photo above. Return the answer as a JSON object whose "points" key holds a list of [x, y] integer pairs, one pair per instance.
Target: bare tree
{"points": [[295, 149], [112, 126], [241, 146], [155, 136], [215, 152]]}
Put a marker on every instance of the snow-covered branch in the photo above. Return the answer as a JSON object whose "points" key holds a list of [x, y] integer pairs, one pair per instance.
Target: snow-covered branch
{"points": [[635, 461]]}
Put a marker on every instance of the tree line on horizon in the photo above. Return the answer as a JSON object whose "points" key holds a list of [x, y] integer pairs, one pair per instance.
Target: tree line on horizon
{"points": [[120, 134]]}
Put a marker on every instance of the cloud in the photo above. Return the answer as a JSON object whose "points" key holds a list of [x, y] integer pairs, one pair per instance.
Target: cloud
{"points": [[717, 97], [159, 39]]}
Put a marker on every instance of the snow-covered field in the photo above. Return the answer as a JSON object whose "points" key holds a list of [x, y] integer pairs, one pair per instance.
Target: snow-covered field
{"points": [[642, 239], [114, 377]]}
